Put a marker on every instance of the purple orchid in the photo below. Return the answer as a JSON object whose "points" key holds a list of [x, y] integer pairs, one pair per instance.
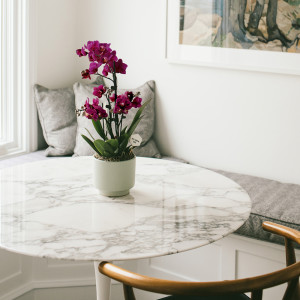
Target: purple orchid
{"points": [[136, 102], [112, 98], [94, 67], [81, 52], [91, 56], [120, 67], [92, 45], [108, 114], [102, 113], [108, 58], [129, 95], [86, 74], [105, 70], [101, 54], [123, 105], [94, 111], [99, 91]]}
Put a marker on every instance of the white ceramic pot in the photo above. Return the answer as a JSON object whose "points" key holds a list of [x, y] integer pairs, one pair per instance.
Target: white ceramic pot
{"points": [[114, 179]]}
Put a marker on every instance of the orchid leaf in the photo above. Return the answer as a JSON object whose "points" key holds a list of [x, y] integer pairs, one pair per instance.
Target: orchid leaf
{"points": [[109, 129], [122, 135], [99, 129], [105, 147], [133, 126], [89, 134], [124, 143], [99, 144], [137, 117], [106, 154], [123, 130], [113, 143], [90, 143]]}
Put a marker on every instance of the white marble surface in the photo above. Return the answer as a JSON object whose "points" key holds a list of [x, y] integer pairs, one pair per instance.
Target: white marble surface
{"points": [[51, 209]]}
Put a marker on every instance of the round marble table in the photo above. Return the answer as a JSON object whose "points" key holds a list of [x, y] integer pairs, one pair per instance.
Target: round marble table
{"points": [[51, 209]]}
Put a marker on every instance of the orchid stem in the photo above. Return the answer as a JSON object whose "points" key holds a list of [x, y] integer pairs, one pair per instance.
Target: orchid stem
{"points": [[104, 77]]}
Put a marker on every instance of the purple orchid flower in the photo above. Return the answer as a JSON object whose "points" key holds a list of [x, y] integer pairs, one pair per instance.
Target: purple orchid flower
{"points": [[123, 105], [92, 45], [86, 74], [99, 91], [136, 102], [112, 98], [105, 70], [81, 52], [94, 67], [102, 113], [129, 95], [94, 111], [120, 67]]}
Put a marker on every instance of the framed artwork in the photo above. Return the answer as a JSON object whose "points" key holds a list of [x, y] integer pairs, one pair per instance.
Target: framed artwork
{"points": [[261, 35]]}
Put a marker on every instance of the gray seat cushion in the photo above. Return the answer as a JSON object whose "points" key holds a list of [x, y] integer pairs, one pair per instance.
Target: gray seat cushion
{"points": [[271, 201], [25, 158]]}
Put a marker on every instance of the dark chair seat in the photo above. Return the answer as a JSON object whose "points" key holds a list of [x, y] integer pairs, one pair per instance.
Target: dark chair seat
{"points": [[233, 297]]}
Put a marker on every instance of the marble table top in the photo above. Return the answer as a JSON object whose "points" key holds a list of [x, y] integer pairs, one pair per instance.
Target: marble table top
{"points": [[51, 209]]}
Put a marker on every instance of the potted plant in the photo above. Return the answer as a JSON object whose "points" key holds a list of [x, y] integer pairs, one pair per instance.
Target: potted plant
{"points": [[114, 160]]}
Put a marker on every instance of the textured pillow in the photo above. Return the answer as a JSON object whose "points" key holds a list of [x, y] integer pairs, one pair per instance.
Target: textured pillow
{"points": [[145, 128], [56, 109]]}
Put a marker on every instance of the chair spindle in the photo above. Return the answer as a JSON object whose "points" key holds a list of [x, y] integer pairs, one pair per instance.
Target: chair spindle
{"points": [[128, 292]]}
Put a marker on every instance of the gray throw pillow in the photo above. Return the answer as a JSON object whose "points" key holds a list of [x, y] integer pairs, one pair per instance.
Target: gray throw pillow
{"points": [[145, 128], [56, 110]]}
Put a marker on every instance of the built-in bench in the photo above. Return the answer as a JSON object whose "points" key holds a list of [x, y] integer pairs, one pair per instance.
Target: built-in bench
{"points": [[271, 201]]}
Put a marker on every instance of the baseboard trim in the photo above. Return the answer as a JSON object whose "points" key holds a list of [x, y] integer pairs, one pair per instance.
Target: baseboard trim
{"points": [[63, 283], [23, 289]]}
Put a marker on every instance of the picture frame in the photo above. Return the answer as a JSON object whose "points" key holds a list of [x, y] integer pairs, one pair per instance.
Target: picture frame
{"points": [[229, 58]]}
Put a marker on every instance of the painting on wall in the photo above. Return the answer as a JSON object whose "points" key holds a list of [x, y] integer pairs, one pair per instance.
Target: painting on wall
{"points": [[244, 34]]}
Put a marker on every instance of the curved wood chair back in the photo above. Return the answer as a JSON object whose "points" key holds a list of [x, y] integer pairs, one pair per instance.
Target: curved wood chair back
{"points": [[255, 285]]}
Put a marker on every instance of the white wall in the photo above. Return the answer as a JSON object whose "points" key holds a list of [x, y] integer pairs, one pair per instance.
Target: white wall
{"points": [[56, 22], [233, 120], [54, 28]]}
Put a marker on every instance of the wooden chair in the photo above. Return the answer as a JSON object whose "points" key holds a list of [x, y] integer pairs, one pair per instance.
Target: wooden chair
{"points": [[220, 290]]}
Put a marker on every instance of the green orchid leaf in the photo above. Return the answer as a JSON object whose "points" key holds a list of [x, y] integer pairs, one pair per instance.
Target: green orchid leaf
{"points": [[133, 126], [137, 117], [99, 129], [113, 143], [99, 144], [108, 126], [122, 137], [124, 143], [123, 131], [90, 143], [89, 134], [106, 154], [105, 147]]}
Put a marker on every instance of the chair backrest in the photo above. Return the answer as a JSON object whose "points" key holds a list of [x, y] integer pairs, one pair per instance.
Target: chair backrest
{"points": [[255, 285]]}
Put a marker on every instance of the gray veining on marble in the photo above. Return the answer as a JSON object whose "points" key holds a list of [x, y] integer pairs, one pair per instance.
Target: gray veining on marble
{"points": [[51, 209]]}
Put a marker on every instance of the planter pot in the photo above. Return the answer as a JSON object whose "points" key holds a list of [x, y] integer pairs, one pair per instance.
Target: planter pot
{"points": [[114, 179]]}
